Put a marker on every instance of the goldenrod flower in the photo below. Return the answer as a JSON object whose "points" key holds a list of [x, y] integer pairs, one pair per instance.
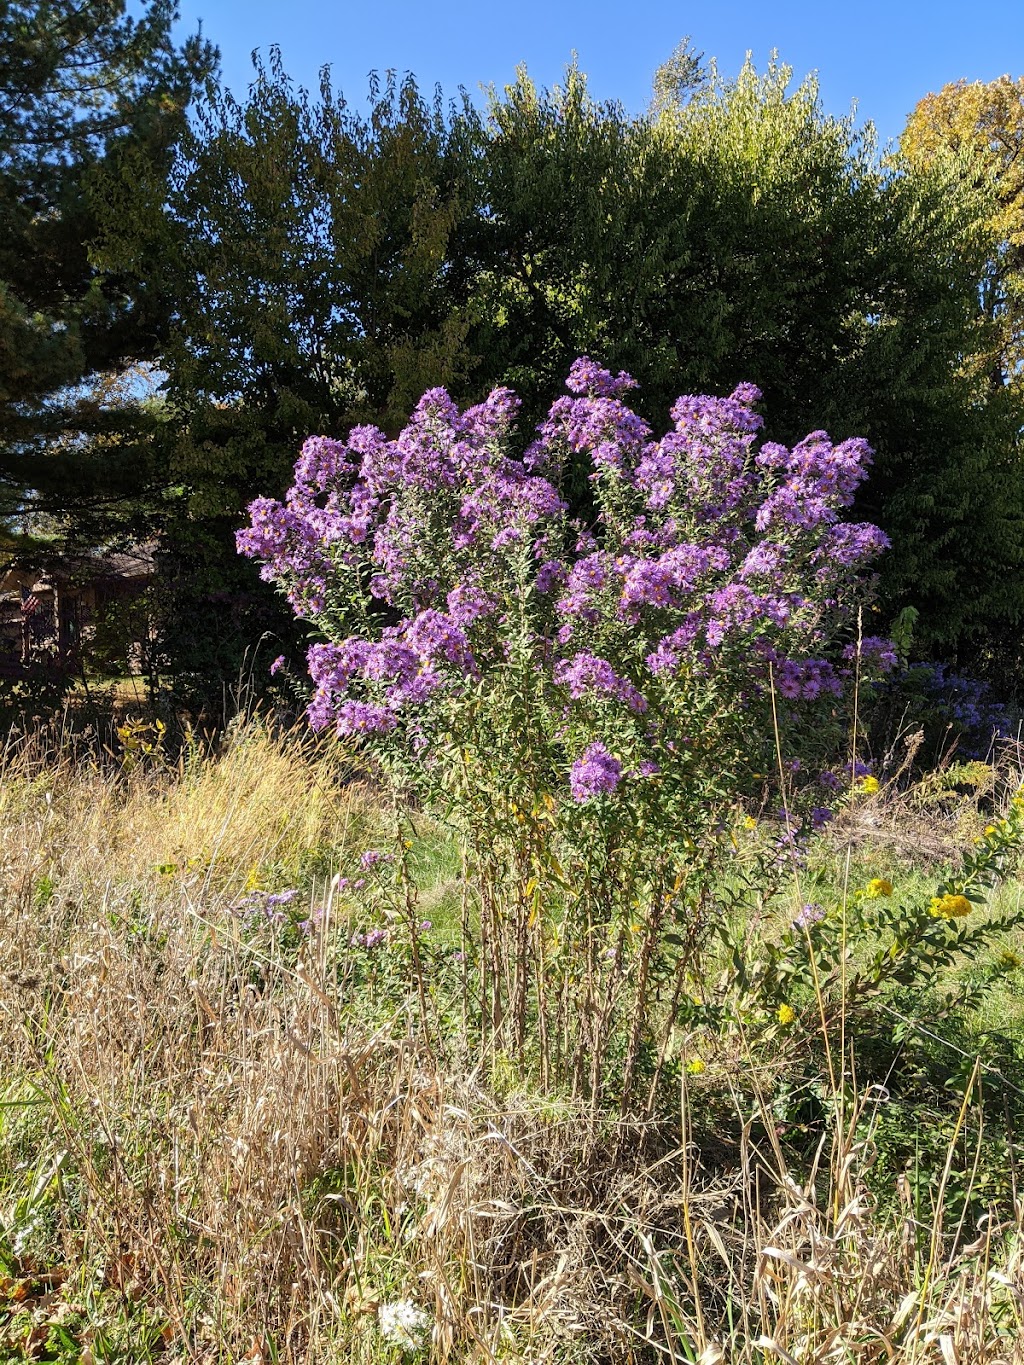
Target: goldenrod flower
{"points": [[950, 907], [696, 1066], [878, 886], [786, 1014], [868, 785], [750, 823]]}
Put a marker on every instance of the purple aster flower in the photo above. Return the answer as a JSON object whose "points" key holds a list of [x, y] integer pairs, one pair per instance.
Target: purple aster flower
{"points": [[372, 857], [810, 914], [373, 938], [467, 604], [362, 718], [550, 574], [875, 652], [595, 773], [585, 376], [589, 673]]}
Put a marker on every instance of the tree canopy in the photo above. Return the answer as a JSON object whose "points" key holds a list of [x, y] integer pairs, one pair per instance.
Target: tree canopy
{"points": [[978, 130], [299, 266], [81, 86]]}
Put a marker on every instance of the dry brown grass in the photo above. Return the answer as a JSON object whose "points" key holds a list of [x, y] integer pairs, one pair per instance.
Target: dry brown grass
{"points": [[239, 1153]]}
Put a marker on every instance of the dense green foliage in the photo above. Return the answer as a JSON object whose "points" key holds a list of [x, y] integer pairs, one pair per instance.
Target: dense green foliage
{"points": [[308, 257], [979, 129], [746, 236], [308, 267], [82, 88]]}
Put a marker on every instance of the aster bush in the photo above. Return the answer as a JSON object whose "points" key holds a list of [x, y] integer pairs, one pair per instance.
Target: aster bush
{"points": [[584, 698]]}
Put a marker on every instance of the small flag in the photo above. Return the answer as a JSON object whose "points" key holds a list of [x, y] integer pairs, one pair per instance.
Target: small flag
{"points": [[29, 603]]}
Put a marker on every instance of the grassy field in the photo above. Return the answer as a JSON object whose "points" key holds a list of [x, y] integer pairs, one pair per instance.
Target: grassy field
{"points": [[241, 1124]]}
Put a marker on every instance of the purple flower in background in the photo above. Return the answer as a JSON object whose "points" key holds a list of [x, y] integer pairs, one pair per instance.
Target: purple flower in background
{"points": [[857, 769], [267, 906], [373, 938], [372, 857], [316, 918], [949, 699], [595, 773], [810, 914], [647, 769], [277, 665], [874, 652]]}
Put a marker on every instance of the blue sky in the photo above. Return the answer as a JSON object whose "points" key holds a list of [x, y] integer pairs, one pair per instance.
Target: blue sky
{"points": [[883, 55]]}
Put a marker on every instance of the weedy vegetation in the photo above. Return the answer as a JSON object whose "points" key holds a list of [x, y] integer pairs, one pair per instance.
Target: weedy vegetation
{"points": [[573, 990]]}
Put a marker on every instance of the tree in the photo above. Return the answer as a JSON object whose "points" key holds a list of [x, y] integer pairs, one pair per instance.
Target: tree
{"points": [[81, 87], [326, 266], [978, 130], [742, 234], [311, 254]]}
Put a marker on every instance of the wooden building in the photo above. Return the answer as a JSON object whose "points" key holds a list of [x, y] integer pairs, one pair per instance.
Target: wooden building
{"points": [[53, 613]]}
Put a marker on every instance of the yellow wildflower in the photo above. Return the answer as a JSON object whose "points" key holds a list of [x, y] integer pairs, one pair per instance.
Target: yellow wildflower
{"points": [[786, 1014], [1009, 961], [990, 829], [750, 823], [868, 785], [949, 907], [696, 1066], [878, 886]]}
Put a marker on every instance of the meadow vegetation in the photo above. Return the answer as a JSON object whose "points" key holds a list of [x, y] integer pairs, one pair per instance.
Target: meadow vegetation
{"points": [[573, 988], [235, 1127], [617, 955]]}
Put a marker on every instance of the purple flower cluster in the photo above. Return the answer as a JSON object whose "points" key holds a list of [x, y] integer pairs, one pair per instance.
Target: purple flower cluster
{"points": [[374, 858], [585, 673], [940, 699], [259, 906], [807, 679], [708, 559], [373, 938], [595, 773], [874, 653], [809, 914]]}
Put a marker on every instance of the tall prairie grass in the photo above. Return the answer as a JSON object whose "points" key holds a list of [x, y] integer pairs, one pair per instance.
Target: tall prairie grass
{"points": [[211, 1149]]}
